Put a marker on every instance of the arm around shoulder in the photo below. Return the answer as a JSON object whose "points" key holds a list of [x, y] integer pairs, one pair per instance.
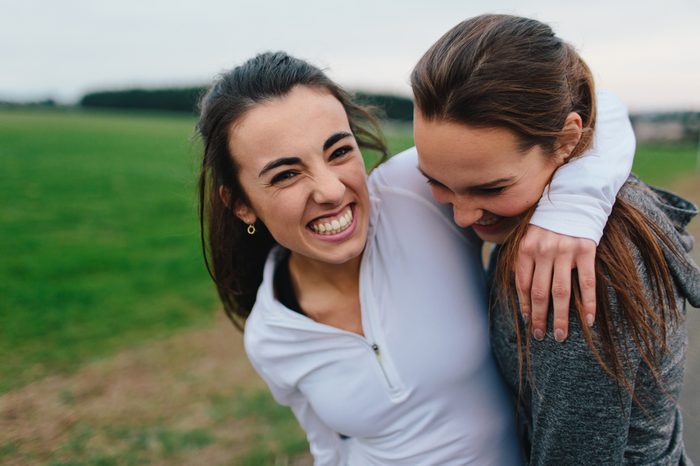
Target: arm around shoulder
{"points": [[570, 219], [582, 193]]}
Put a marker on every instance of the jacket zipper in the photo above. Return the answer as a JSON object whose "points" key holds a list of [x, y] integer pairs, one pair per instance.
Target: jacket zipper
{"points": [[378, 354]]}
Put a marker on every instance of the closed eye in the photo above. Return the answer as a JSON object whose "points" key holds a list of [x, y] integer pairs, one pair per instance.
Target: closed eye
{"points": [[434, 183], [283, 176], [490, 191]]}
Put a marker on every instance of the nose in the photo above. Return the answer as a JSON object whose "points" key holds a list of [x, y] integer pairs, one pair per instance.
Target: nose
{"points": [[329, 188], [465, 211]]}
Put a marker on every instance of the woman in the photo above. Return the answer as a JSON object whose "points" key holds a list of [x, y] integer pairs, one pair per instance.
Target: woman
{"points": [[365, 306], [514, 104]]}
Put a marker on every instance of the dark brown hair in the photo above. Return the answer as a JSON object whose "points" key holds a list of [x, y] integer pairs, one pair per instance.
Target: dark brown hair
{"points": [[514, 73], [234, 259]]}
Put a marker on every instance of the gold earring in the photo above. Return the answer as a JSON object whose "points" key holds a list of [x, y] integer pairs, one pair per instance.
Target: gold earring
{"points": [[251, 229]]}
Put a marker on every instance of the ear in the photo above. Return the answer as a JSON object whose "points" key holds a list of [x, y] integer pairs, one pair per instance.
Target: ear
{"points": [[244, 212], [570, 136], [240, 208]]}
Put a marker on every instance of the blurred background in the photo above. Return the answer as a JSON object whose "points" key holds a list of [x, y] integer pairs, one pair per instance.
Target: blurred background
{"points": [[113, 347]]}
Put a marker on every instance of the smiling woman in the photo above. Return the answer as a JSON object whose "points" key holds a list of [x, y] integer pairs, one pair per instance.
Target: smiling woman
{"points": [[515, 106], [483, 174], [307, 184], [364, 305], [234, 256]]}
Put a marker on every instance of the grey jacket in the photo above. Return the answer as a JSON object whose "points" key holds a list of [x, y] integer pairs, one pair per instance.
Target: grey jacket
{"points": [[571, 412]]}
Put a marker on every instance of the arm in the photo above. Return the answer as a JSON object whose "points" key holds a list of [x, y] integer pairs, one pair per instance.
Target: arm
{"points": [[577, 204], [324, 443]]}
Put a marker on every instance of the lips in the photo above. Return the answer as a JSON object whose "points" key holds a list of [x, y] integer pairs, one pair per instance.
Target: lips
{"points": [[488, 220], [333, 224]]}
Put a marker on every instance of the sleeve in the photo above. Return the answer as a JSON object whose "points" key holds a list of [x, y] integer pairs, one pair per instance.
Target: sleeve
{"points": [[579, 414], [324, 443], [582, 192]]}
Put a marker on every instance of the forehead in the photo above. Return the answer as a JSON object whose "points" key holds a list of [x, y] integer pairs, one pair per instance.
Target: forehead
{"points": [[449, 150], [295, 124]]}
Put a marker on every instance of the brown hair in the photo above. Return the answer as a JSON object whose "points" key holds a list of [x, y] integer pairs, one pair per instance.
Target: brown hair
{"points": [[506, 71], [234, 259], [512, 72]]}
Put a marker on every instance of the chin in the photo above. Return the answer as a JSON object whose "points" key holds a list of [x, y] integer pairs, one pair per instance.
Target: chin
{"points": [[496, 237], [499, 232], [491, 238], [343, 254]]}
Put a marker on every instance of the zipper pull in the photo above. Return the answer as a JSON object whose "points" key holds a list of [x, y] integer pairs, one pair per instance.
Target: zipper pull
{"points": [[375, 348]]}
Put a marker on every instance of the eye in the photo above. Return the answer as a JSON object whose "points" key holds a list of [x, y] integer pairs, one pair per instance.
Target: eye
{"points": [[283, 176], [435, 184], [491, 191], [339, 152]]}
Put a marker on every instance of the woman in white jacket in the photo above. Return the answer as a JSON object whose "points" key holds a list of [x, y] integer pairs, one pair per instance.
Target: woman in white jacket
{"points": [[365, 306]]}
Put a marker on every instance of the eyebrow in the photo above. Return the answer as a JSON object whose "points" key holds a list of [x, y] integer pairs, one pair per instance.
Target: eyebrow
{"points": [[335, 137], [278, 163], [487, 185]]}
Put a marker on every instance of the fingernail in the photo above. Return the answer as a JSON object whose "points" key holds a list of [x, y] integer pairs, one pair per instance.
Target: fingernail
{"points": [[526, 318], [539, 334], [589, 319], [559, 335]]}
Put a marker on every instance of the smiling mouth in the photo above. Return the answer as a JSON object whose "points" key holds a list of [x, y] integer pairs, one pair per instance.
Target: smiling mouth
{"points": [[488, 220], [334, 224]]}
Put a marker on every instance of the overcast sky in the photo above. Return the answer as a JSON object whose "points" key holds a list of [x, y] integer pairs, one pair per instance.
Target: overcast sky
{"points": [[647, 52]]}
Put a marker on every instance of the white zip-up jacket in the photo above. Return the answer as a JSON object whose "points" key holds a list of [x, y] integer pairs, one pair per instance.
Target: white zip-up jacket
{"points": [[421, 386]]}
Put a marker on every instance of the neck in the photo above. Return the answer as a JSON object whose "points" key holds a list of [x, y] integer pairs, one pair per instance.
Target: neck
{"points": [[308, 273]]}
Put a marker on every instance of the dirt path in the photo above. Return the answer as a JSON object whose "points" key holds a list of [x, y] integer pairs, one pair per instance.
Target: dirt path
{"points": [[690, 400], [184, 400]]}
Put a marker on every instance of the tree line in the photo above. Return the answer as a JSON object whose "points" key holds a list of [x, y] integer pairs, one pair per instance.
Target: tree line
{"points": [[185, 100]]}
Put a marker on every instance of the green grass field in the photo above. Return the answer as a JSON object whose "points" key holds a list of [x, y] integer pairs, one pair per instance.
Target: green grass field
{"points": [[99, 238], [662, 164]]}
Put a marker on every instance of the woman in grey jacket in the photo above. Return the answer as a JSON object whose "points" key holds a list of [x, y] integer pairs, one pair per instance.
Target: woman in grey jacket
{"points": [[501, 104]]}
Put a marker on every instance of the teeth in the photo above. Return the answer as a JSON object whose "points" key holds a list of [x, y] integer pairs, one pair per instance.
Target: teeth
{"points": [[335, 226], [488, 222]]}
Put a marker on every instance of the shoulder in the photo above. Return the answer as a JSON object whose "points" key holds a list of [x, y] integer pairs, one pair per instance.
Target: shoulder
{"points": [[672, 212], [399, 179], [405, 198], [400, 172], [669, 214], [259, 334]]}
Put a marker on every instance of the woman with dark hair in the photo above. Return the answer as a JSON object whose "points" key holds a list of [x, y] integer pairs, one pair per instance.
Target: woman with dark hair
{"points": [[364, 305], [503, 103]]}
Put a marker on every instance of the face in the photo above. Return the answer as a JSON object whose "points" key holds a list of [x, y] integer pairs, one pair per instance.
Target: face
{"points": [[304, 176], [489, 181]]}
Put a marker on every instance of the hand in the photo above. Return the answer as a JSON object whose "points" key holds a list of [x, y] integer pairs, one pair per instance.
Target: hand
{"points": [[546, 258]]}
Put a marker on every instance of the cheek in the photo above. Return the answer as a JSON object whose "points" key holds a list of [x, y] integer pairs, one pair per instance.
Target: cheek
{"points": [[356, 179], [511, 205], [281, 210], [441, 195]]}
